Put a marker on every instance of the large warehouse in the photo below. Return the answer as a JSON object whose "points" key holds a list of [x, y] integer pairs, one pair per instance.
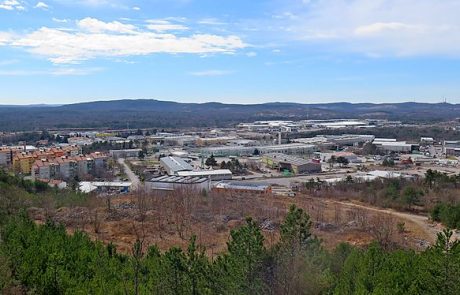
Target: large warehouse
{"points": [[219, 174], [171, 183], [295, 165], [291, 148], [172, 165]]}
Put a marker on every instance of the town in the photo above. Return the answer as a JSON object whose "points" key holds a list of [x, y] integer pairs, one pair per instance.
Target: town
{"points": [[264, 157]]}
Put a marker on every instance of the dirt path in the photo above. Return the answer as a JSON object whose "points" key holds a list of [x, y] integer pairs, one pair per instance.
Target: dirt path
{"points": [[430, 229]]}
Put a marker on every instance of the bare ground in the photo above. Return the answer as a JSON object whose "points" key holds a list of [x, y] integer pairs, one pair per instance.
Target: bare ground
{"points": [[171, 219]]}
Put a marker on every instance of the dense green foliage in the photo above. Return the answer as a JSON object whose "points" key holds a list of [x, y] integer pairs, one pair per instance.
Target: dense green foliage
{"points": [[46, 260], [447, 214]]}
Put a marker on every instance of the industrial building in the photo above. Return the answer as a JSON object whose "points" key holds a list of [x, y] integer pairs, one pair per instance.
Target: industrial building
{"points": [[391, 145], [215, 175], [227, 151], [87, 187], [295, 165], [451, 147], [179, 140], [243, 187], [204, 141], [171, 183], [173, 165]]}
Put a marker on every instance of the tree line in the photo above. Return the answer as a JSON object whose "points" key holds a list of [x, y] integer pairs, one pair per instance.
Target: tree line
{"points": [[44, 259]]}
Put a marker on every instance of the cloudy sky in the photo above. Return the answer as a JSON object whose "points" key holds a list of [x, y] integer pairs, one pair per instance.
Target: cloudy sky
{"points": [[241, 51]]}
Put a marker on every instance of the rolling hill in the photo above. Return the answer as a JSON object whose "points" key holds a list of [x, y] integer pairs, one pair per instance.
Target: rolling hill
{"points": [[166, 114]]}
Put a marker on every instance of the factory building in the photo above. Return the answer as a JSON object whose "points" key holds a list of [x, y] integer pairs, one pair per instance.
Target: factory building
{"points": [[171, 183], [391, 145], [173, 165], [451, 147], [215, 175], [227, 151], [295, 165], [87, 186], [243, 187]]}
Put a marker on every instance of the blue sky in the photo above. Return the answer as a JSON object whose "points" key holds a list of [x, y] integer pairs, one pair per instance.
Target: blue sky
{"points": [[236, 51]]}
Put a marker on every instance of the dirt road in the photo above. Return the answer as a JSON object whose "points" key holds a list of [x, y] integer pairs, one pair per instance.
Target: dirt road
{"points": [[430, 229]]}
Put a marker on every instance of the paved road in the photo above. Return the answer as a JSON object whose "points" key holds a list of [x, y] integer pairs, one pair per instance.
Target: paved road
{"points": [[136, 183]]}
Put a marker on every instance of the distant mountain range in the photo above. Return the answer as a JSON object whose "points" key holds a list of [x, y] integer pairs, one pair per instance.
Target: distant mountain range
{"points": [[166, 114]]}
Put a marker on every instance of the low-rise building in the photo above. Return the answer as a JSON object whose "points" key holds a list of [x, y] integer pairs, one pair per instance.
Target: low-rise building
{"points": [[171, 183], [88, 187], [204, 141], [227, 151], [215, 175], [392, 145], [172, 165], [294, 164], [451, 147], [243, 187]]}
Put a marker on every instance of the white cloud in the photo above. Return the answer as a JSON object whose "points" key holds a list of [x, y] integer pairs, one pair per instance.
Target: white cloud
{"points": [[12, 5], [5, 38], [60, 20], [211, 21], [137, 8], [93, 38], [251, 54], [74, 71], [93, 25], [42, 5], [164, 25], [210, 73], [378, 27]]}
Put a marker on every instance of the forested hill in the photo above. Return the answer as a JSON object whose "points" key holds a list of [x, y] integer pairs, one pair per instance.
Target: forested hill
{"points": [[165, 114]]}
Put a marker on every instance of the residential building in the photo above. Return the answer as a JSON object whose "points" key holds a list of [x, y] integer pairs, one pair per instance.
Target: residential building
{"points": [[6, 157], [22, 163]]}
